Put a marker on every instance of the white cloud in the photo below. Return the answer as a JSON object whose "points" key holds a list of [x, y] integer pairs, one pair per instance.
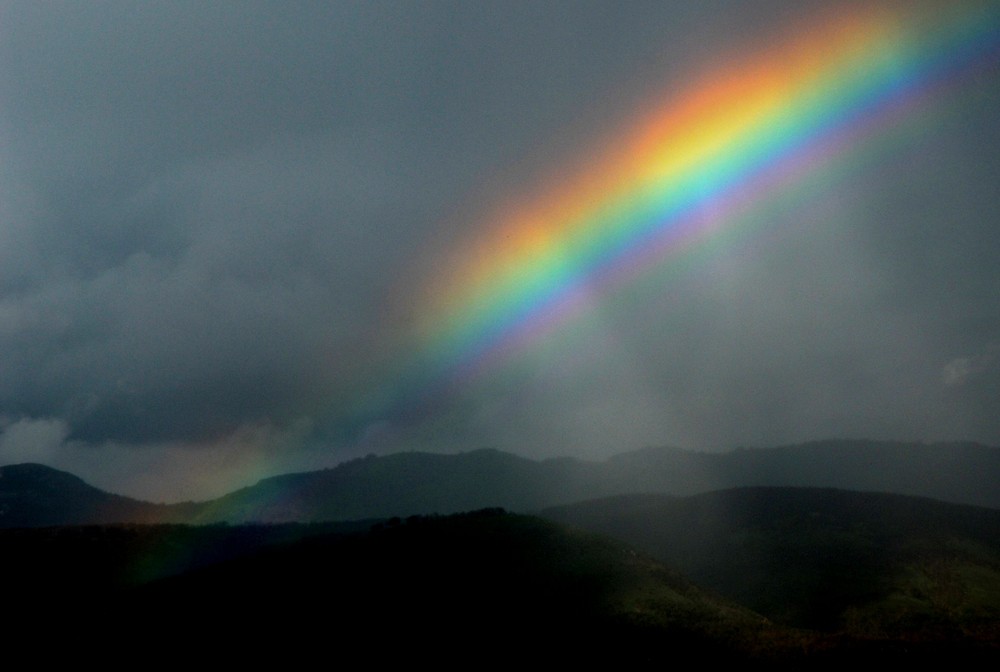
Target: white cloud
{"points": [[31, 440], [961, 369], [957, 371]]}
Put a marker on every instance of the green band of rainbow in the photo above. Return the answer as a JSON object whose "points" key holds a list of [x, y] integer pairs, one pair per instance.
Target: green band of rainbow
{"points": [[680, 175]]}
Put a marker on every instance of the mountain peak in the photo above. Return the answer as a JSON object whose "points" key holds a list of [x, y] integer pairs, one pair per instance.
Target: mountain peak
{"points": [[36, 475]]}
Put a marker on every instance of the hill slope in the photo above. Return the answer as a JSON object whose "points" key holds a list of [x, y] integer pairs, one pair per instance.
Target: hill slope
{"points": [[873, 565], [462, 590], [33, 495], [420, 483], [483, 587]]}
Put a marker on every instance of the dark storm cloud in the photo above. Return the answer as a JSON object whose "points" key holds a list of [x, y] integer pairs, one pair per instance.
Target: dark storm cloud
{"points": [[208, 198], [209, 210]]}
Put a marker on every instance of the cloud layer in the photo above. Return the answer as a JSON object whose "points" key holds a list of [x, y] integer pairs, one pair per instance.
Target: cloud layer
{"points": [[216, 219]]}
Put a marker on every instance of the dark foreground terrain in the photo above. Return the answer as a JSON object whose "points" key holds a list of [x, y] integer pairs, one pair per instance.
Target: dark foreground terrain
{"points": [[465, 591], [871, 565], [480, 587]]}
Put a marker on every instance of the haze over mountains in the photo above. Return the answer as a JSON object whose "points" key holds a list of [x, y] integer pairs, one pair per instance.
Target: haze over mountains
{"points": [[406, 484]]}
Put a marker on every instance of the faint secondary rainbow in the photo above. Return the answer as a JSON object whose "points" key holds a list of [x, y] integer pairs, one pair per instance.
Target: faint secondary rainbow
{"points": [[732, 141]]}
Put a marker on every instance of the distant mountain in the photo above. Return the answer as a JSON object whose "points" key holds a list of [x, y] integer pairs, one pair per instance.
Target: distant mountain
{"points": [[405, 484], [960, 472], [869, 564], [33, 495], [419, 483]]}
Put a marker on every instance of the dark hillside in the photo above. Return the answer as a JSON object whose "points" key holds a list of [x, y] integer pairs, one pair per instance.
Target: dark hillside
{"points": [[476, 589], [71, 564], [485, 586], [457, 591], [33, 495], [866, 563]]}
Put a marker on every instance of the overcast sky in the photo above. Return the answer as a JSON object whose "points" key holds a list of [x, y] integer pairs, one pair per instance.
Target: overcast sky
{"points": [[216, 218]]}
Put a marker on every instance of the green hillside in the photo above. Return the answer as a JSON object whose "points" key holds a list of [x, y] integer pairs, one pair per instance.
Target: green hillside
{"points": [[873, 566]]}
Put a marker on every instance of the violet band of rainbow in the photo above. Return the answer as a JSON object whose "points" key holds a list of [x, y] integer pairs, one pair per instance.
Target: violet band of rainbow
{"points": [[738, 138]]}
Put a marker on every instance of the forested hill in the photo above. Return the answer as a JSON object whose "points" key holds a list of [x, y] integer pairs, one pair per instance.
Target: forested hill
{"points": [[500, 587], [869, 564]]}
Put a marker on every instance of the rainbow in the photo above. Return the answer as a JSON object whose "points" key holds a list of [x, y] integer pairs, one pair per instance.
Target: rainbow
{"points": [[678, 176]]}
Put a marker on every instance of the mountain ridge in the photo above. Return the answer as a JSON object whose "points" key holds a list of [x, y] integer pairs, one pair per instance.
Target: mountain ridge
{"points": [[417, 483], [35, 495]]}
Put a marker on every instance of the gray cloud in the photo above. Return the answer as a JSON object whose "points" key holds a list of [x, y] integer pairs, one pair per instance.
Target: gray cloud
{"points": [[963, 370], [216, 219]]}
